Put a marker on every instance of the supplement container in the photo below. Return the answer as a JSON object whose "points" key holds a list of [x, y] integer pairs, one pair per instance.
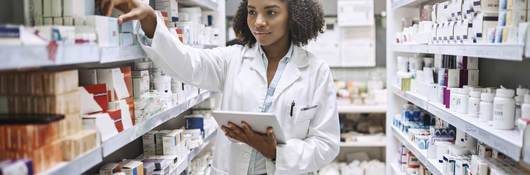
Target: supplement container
{"points": [[473, 106], [415, 64], [504, 109], [525, 107], [486, 106], [403, 64]]}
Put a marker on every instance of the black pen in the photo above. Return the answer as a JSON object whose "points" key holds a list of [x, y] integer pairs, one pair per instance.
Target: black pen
{"points": [[292, 106]]}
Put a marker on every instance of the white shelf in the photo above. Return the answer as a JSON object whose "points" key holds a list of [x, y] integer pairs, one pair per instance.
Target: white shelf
{"points": [[182, 165], [117, 54], [138, 130], [397, 169], [509, 142], [20, 57], [354, 109], [362, 144], [407, 3], [509, 52], [431, 164], [204, 4], [81, 164]]}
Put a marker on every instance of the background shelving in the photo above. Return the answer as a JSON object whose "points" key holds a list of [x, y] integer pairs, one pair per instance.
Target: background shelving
{"points": [[508, 142], [362, 144], [509, 52], [407, 3], [355, 109], [204, 4]]}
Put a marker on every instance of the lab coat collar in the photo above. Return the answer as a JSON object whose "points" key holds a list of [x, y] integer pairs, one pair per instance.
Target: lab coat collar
{"points": [[291, 73], [300, 57]]}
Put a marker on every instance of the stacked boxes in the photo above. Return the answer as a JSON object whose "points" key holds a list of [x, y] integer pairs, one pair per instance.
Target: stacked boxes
{"points": [[43, 93], [32, 137]]}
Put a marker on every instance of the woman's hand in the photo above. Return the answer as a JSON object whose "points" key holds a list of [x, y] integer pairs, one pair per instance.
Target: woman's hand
{"points": [[134, 10], [265, 144]]}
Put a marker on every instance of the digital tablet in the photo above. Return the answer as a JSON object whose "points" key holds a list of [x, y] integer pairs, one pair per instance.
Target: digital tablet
{"points": [[259, 122]]}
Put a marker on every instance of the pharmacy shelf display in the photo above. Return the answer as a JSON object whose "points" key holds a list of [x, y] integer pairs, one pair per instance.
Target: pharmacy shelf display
{"points": [[94, 157], [204, 4], [509, 142], [509, 52], [131, 134], [182, 165], [362, 144], [430, 164], [407, 3], [355, 109], [19, 57]]}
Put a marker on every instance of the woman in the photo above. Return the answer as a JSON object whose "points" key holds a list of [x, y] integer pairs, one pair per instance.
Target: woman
{"points": [[270, 72]]}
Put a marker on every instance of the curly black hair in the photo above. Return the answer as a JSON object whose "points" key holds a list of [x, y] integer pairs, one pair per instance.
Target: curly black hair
{"points": [[306, 21]]}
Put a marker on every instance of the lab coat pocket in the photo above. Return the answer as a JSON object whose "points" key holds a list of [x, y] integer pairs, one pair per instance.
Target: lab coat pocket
{"points": [[306, 113]]}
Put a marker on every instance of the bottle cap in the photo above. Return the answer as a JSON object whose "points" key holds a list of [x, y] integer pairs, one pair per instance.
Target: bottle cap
{"points": [[503, 92]]}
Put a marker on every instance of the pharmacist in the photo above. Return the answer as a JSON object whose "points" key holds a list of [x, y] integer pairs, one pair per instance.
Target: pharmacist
{"points": [[269, 73]]}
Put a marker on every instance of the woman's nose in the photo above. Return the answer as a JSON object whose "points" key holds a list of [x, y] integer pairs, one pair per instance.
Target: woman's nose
{"points": [[260, 21]]}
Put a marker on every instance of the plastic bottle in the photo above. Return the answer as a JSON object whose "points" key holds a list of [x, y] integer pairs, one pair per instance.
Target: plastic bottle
{"points": [[459, 100], [521, 92], [486, 106], [473, 106], [504, 109], [525, 108]]}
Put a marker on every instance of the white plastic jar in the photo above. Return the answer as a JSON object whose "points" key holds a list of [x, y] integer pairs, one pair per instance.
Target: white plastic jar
{"points": [[525, 107], [473, 106], [486, 106], [504, 109], [459, 100]]}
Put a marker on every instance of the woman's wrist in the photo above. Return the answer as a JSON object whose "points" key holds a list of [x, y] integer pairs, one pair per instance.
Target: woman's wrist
{"points": [[149, 23]]}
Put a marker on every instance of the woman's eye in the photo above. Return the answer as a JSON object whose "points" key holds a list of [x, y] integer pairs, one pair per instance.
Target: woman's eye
{"points": [[272, 12], [251, 12]]}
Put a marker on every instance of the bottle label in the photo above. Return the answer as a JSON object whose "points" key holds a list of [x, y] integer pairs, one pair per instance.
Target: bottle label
{"points": [[498, 112]]}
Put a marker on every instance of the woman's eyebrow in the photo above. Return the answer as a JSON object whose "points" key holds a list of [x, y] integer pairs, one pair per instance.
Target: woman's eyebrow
{"points": [[272, 6], [251, 7]]}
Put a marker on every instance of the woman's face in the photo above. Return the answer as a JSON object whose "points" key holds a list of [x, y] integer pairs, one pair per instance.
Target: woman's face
{"points": [[267, 20]]}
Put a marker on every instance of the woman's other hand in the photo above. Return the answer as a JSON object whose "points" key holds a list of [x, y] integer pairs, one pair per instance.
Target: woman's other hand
{"points": [[264, 143]]}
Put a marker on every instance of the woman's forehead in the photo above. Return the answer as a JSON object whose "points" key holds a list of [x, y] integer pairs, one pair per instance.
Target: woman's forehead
{"points": [[266, 3]]}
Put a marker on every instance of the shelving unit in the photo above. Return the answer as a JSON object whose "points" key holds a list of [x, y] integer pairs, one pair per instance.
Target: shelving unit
{"points": [[94, 157], [204, 4], [430, 164], [184, 164], [508, 52], [355, 109], [131, 134], [505, 58], [407, 3], [509, 142], [362, 144]]}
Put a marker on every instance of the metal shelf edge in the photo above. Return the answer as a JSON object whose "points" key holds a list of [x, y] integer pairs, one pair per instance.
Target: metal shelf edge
{"points": [[419, 154], [508, 52], [80, 164]]}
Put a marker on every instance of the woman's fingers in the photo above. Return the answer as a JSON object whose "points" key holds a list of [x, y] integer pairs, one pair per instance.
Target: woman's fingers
{"points": [[114, 3], [247, 129], [270, 135], [134, 14]]}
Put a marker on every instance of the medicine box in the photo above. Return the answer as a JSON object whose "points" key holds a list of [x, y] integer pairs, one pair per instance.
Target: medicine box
{"points": [[106, 29]]}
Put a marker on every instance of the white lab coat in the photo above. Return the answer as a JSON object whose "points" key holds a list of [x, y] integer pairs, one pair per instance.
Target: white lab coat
{"points": [[239, 73]]}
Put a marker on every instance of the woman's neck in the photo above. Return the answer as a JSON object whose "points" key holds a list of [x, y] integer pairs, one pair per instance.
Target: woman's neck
{"points": [[277, 50]]}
